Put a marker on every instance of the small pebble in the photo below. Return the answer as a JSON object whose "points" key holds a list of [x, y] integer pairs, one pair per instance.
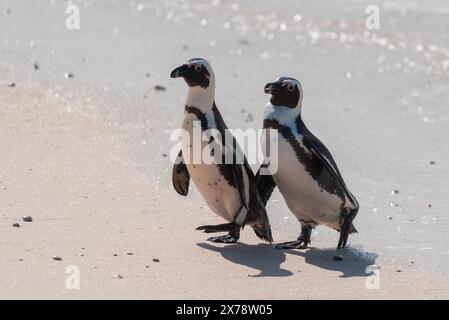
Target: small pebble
{"points": [[68, 75], [81, 255], [118, 276], [147, 267], [56, 258], [159, 88], [432, 162], [155, 260], [16, 225], [36, 66], [129, 253], [394, 191], [338, 258], [429, 205], [390, 218], [147, 74], [394, 204], [164, 155], [249, 118], [115, 254], [27, 219], [398, 270], [185, 47], [12, 85]]}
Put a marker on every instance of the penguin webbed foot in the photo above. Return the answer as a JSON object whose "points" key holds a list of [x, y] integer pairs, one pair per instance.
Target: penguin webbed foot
{"points": [[228, 238], [219, 227], [302, 242], [296, 244]]}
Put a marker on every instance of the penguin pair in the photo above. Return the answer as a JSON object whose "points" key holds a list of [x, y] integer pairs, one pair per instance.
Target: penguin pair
{"points": [[306, 173]]}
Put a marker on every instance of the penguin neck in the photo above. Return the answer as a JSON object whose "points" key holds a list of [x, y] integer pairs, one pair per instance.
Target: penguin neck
{"points": [[284, 115], [200, 98]]}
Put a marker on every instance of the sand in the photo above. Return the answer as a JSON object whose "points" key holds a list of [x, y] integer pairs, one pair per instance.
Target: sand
{"points": [[86, 156], [94, 211]]}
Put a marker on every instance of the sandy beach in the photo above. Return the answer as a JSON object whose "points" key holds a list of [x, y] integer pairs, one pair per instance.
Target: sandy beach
{"points": [[85, 121]]}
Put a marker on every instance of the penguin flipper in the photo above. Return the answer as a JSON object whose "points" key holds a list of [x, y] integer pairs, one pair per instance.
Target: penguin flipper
{"points": [[181, 176], [265, 185], [232, 147], [238, 178], [330, 168]]}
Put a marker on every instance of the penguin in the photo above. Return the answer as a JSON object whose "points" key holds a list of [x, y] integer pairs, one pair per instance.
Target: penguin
{"points": [[228, 187], [306, 174]]}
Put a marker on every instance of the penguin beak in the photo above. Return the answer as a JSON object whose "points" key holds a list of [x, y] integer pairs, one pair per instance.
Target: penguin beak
{"points": [[179, 71], [271, 88]]}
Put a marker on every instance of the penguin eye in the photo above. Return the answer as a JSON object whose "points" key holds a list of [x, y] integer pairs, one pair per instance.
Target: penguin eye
{"points": [[198, 68], [290, 87]]}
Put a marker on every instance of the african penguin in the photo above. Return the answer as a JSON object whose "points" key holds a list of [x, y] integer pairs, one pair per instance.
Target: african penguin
{"points": [[228, 187], [306, 175]]}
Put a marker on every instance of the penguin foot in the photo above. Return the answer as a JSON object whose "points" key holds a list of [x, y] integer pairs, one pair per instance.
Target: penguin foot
{"points": [[219, 228], [223, 239], [302, 242], [297, 244]]}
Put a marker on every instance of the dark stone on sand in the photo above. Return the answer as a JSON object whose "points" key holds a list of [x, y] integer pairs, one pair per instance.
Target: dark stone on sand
{"points": [[155, 260], [27, 219], [36, 66], [338, 258], [432, 162], [129, 253], [16, 225], [56, 258], [12, 85], [159, 88], [69, 75]]}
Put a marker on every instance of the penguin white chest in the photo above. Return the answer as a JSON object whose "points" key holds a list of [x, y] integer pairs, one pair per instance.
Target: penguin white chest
{"points": [[220, 196], [302, 193]]}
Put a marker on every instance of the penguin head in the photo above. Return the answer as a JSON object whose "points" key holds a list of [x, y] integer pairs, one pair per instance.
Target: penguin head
{"points": [[197, 72], [285, 91]]}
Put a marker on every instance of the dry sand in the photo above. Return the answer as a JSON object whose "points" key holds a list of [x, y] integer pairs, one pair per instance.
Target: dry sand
{"points": [[92, 209]]}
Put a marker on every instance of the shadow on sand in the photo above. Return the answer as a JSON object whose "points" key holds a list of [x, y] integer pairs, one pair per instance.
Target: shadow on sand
{"points": [[268, 260], [262, 257], [354, 264]]}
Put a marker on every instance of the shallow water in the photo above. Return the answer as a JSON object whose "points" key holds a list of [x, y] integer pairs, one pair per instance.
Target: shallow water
{"points": [[377, 98]]}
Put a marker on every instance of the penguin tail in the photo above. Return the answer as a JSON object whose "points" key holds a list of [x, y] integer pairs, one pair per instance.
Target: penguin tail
{"points": [[261, 225], [352, 229]]}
